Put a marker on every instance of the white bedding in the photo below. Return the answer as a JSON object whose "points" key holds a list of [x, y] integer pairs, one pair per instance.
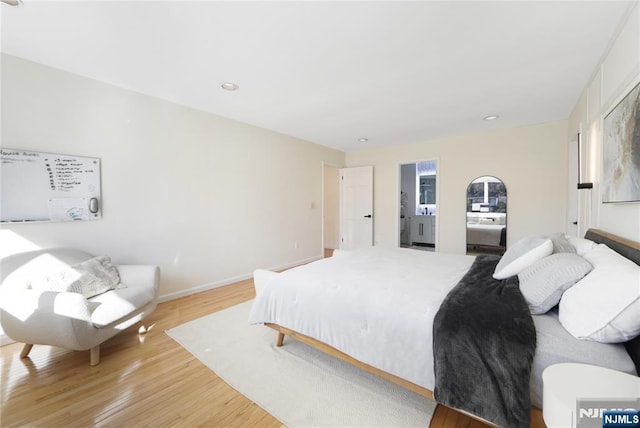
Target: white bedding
{"points": [[484, 234], [373, 304]]}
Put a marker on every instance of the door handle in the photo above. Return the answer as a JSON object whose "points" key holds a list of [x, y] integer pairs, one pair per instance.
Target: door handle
{"points": [[575, 222], [367, 216]]}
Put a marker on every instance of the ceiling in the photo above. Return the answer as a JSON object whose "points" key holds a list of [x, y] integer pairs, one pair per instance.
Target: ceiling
{"points": [[333, 72]]}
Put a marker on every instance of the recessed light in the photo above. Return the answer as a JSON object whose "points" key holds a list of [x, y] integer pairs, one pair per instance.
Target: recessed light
{"points": [[229, 86], [492, 117], [14, 3], [363, 140]]}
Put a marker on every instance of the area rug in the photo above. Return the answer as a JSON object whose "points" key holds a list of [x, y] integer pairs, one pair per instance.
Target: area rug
{"points": [[298, 385]]}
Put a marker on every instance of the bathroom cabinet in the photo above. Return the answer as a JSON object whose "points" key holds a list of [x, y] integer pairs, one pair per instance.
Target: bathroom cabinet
{"points": [[423, 229]]}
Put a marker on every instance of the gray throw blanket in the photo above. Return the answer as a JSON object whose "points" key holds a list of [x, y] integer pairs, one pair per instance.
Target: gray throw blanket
{"points": [[484, 340]]}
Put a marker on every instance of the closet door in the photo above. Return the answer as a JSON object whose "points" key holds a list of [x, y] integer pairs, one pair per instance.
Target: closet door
{"points": [[356, 208]]}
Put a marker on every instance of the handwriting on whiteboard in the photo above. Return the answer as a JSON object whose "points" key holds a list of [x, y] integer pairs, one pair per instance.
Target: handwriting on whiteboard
{"points": [[38, 186], [64, 174]]}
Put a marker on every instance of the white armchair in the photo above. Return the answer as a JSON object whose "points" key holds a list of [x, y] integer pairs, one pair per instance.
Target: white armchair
{"points": [[68, 319]]}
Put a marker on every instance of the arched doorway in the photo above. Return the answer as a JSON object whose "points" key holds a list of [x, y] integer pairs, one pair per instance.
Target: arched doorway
{"points": [[486, 216]]}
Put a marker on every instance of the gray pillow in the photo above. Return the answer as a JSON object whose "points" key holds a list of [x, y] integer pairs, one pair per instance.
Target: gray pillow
{"points": [[561, 244], [543, 283]]}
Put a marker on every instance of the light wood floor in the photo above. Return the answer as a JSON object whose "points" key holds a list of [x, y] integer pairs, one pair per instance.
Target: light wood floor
{"points": [[141, 381]]}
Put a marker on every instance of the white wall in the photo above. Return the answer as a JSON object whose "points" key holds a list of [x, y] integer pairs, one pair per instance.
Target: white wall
{"points": [[618, 73], [206, 198], [532, 161], [331, 207]]}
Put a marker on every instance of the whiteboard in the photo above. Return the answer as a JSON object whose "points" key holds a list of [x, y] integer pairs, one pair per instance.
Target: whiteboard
{"points": [[36, 186]]}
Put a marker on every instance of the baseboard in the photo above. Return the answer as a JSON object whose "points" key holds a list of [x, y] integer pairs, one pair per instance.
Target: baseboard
{"points": [[204, 287]]}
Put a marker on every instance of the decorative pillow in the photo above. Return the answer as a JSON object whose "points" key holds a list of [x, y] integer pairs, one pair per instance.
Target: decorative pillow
{"points": [[522, 254], [89, 278], [605, 305], [487, 220], [581, 245], [543, 283], [261, 278], [561, 244]]}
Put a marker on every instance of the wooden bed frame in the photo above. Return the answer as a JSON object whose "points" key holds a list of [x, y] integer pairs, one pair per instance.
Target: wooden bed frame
{"points": [[629, 249]]}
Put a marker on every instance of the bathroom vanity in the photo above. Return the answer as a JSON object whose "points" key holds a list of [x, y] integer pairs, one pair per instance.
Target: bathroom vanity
{"points": [[423, 229]]}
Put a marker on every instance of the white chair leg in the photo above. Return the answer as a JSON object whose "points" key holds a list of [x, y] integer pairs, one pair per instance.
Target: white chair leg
{"points": [[95, 355], [25, 350]]}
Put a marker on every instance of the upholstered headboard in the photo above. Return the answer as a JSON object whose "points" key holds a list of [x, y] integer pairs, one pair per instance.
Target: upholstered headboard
{"points": [[630, 250]]}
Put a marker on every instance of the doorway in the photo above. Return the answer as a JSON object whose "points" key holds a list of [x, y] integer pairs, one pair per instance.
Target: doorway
{"points": [[418, 205]]}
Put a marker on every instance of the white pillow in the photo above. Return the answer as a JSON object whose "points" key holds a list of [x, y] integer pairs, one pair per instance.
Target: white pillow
{"points": [[582, 245], [487, 220], [605, 305], [522, 254], [261, 278], [89, 278], [543, 283]]}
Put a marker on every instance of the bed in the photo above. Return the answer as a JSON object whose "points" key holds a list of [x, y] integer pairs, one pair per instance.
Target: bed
{"points": [[375, 308], [486, 229], [485, 235]]}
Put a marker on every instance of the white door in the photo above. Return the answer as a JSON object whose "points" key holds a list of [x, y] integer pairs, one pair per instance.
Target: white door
{"points": [[572, 200], [356, 207]]}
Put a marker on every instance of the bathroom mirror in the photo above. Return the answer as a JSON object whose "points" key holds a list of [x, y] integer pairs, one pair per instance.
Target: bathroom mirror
{"points": [[486, 216], [428, 189]]}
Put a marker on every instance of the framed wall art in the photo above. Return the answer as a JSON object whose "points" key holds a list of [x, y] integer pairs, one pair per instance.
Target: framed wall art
{"points": [[621, 150]]}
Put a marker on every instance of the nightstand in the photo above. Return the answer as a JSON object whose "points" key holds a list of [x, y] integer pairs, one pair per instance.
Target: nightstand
{"points": [[564, 384]]}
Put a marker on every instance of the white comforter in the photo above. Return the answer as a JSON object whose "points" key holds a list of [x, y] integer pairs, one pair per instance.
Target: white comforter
{"points": [[376, 305]]}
